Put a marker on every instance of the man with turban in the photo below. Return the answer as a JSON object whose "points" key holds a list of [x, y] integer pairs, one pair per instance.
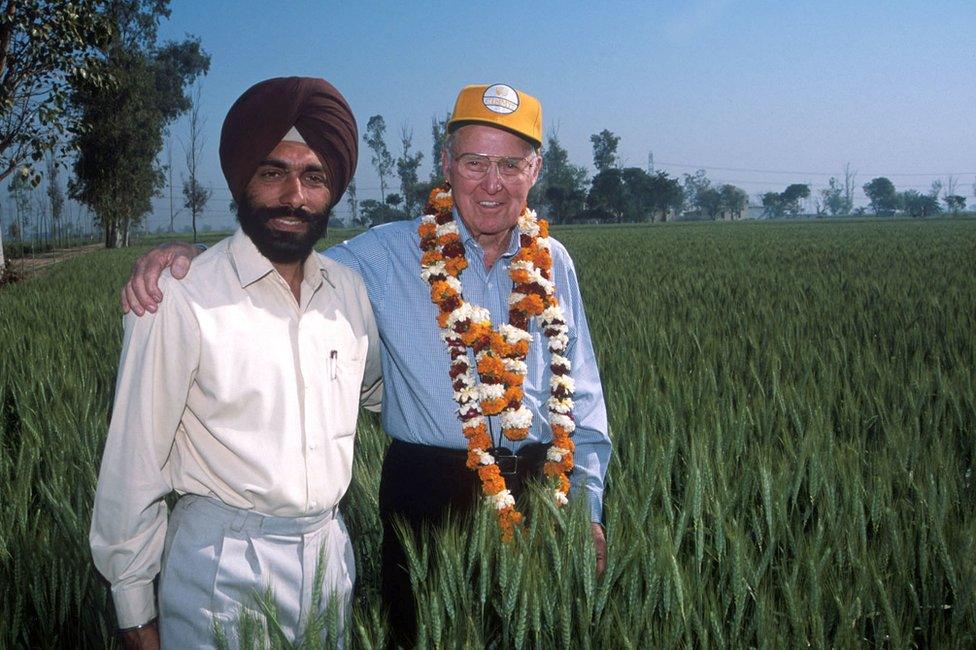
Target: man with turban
{"points": [[241, 394], [458, 426]]}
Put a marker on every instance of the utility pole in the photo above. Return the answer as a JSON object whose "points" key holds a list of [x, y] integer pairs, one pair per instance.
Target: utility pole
{"points": [[650, 162]]}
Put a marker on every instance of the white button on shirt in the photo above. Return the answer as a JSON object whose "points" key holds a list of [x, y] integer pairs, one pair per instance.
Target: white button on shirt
{"points": [[234, 390]]}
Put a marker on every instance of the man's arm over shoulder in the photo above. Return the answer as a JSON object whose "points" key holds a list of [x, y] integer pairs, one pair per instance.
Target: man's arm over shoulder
{"points": [[156, 368]]}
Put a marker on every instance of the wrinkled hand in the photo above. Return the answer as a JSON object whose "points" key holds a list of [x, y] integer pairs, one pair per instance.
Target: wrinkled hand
{"points": [[141, 293], [143, 638], [600, 544]]}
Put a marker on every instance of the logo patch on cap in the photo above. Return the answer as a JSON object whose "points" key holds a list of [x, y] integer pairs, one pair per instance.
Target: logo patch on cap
{"points": [[501, 99]]}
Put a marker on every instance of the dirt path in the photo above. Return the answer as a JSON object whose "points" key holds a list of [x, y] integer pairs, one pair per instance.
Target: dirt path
{"points": [[25, 267]]}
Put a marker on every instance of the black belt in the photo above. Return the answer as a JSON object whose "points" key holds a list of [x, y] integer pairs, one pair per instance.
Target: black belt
{"points": [[528, 458]]}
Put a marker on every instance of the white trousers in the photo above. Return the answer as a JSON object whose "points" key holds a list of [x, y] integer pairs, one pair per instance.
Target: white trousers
{"points": [[220, 562]]}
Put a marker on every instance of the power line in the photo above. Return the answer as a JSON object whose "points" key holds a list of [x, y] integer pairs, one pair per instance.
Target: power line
{"points": [[808, 173]]}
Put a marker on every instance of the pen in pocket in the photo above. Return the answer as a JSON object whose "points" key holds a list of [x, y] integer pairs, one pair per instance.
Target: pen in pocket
{"points": [[333, 363]]}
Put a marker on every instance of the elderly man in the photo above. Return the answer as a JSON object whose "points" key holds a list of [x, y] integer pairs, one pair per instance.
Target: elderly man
{"points": [[471, 405], [241, 393]]}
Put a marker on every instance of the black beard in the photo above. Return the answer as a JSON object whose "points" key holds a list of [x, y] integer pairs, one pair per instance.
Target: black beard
{"points": [[278, 246]]}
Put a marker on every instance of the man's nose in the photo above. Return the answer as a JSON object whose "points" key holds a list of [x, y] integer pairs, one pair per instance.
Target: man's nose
{"points": [[492, 181], [292, 192]]}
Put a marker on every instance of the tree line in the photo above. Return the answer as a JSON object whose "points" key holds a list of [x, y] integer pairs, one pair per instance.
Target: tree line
{"points": [[87, 83]]}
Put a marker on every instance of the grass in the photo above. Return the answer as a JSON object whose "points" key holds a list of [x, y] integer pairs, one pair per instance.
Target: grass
{"points": [[793, 411]]}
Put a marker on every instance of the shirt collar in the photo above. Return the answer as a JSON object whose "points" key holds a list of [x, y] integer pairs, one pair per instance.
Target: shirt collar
{"points": [[514, 243], [251, 265]]}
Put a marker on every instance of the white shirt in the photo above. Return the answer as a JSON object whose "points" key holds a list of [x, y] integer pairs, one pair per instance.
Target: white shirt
{"points": [[234, 390]]}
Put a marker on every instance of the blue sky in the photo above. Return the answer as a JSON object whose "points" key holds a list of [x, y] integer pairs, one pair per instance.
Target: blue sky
{"points": [[761, 94]]}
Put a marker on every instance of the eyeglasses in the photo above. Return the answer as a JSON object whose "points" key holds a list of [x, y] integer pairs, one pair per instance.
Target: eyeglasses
{"points": [[475, 166]]}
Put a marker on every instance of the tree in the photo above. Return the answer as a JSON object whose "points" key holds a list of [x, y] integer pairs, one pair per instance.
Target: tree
{"points": [[604, 150], [884, 199], [917, 204], [382, 160], [438, 134], [22, 191], [407, 165], [772, 204], [835, 199], [195, 195], [732, 200], [791, 197], [116, 170], [606, 200], [850, 175], [561, 190], [45, 47], [955, 203], [666, 196], [55, 195], [695, 185], [353, 204]]}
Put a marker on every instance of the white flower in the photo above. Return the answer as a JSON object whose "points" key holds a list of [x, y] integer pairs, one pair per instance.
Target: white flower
{"points": [[448, 228], [484, 457], [517, 366], [558, 342], [564, 421], [528, 224], [437, 268], [560, 360], [466, 394], [562, 380], [513, 334], [553, 313], [492, 391], [476, 422], [543, 243], [564, 405], [555, 454], [514, 297], [559, 498], [443, 196], [428, 218], [454, 283], [502, 500], [520, 418]]}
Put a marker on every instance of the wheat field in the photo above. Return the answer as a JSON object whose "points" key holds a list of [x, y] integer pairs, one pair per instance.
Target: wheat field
{"points": [[793, 411]]}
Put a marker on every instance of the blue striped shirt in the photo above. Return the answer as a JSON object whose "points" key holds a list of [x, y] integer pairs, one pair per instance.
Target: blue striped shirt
{"points": [[418, 400]]}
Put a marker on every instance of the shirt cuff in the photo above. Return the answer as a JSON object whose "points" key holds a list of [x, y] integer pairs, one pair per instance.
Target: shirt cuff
{"points": [[134, 605], [596, 507]]}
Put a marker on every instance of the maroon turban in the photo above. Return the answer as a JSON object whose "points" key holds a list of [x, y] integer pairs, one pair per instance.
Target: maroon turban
{"points": [[261, 117]]}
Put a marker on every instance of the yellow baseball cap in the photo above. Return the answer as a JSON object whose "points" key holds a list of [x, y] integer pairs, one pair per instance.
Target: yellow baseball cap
{"points": [[499, 105]]}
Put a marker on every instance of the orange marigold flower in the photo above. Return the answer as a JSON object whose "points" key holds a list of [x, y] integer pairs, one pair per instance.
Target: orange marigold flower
{"points": [[531, 304], [430, 257], [493, 406], [563, 484], [473, 461], [476, 430], [513, 394], [543, 228], [444, 240], [551, 469], [441, 291], [427, 230], [542, 259], [521, 276], [520, 349], [491, 365], [454, 265], [516, 434], [442, 318]]}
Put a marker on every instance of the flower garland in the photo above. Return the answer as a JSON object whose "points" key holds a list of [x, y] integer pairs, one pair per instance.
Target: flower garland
{"points": [[500, 354]]}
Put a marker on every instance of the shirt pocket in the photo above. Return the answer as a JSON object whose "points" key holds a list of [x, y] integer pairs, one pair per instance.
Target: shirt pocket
{"points": [[344, 378]]}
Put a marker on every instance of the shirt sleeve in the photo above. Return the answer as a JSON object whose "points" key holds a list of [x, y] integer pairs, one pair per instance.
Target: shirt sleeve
{"points": [[591, 438], [157, 366], [371, 397], [369, 257]]}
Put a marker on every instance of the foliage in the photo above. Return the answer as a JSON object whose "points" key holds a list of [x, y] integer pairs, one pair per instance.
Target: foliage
{"points": [[45, 47], [883, 197], [785, 203], [382, 159], [919, 205], [561, 189], [438, 135], [116, 171], [733, 200], [604, 150], [835, 199], [407, 165], [955, 203], [792, 409]]}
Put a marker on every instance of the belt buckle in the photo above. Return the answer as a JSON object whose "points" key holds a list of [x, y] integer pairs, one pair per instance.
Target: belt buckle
{"points": [[506, 460]]}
